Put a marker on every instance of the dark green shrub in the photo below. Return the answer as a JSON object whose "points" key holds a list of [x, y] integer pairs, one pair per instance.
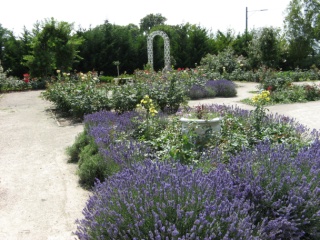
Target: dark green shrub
{"points": [[125, 98], [39, 84], [8, 85], [312, 92], [169, 94], [274, 84], [92, 165], [74, 151], [78, 97], [289, 95], [106, 79]]}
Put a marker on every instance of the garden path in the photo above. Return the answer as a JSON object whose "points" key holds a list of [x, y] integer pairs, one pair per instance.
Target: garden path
{"points": [[39, 193]]}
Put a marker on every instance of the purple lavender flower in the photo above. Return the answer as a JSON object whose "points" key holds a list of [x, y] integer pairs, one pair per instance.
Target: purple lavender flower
{"points": [[166, 200], [222, 88], [269, 191], [197, 92]]}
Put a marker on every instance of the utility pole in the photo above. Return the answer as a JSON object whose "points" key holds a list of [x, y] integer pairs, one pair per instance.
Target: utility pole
{"points": [[261, 10]]}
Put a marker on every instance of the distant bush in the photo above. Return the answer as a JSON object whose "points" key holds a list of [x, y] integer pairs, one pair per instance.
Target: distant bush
{"points": [[78, 97], [8, 85], [213, 88], [274, 84], [106, 79], [222, 88], [197, 92]]}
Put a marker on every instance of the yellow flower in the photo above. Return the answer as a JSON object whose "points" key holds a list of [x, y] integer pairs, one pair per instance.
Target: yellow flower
{"points": [[58, 71]]}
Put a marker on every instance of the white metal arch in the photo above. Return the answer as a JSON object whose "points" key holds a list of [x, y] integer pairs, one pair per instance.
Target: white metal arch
{"points": [[166, 48]]}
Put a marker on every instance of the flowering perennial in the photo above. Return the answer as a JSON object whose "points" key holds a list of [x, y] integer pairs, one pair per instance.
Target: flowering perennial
{"points": [[262, 98], [268, 193], [147, 104]]}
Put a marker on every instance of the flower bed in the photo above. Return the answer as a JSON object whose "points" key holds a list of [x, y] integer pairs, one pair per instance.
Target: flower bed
{"points": [[265, 189], [153, 182], [268, 193]]}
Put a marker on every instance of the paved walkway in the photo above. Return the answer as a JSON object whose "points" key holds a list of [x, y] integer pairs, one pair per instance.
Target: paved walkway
{"points": [[39, 193]]}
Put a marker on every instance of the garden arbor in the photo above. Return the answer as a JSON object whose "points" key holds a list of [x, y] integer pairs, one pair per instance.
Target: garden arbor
{"points": [[166, 48]]}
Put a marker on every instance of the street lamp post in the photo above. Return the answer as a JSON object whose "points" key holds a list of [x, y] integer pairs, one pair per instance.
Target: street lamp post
{"points": [[261, 10]]}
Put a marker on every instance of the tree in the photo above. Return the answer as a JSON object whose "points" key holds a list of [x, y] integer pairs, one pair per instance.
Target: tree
{"points": [[264, 48], [198, 44], [302, 25], [150, 21], [4, 33], [52, 47], [224, 40], [269, 47], [14, 50], [239, 44]]}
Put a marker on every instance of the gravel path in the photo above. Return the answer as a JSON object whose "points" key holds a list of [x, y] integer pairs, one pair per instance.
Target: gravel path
{"points": [[39, 193]]}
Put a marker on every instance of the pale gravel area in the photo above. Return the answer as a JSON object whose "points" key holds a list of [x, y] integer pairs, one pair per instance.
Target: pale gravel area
{"points": [[40, 197]]}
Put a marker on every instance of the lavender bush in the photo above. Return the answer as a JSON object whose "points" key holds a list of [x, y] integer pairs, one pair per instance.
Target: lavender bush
{"points": [[197, 92], [269, 193], [111, 148], [164, 201], [213, 88], [283, 189], [222, 87]]}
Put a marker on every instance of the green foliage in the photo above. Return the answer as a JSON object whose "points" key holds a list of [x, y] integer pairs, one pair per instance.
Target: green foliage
{"points": [[289, 95], [265, 48], [13, 51], [302, 30], [106, 79], [170, 95], [284, 91], [312, 92], [125, 97], [78, 97], [273, 83], [225, 61], [8, 85], [93, 166], [52, 47], [91, 163], [151, 20], [75, 149]]}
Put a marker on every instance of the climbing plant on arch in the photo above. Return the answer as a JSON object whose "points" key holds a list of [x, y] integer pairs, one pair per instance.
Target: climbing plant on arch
{"points": [[166, 48]]}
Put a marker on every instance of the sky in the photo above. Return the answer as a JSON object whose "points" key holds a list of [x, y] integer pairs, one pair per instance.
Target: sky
{"points": [[213, 15]]}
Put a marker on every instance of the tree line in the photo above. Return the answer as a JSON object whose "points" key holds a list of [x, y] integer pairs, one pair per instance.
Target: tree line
{"points": [[53, 45]]}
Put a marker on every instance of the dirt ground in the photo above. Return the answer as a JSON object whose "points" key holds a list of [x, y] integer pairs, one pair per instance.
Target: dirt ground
{"points": [[40, 197]]}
